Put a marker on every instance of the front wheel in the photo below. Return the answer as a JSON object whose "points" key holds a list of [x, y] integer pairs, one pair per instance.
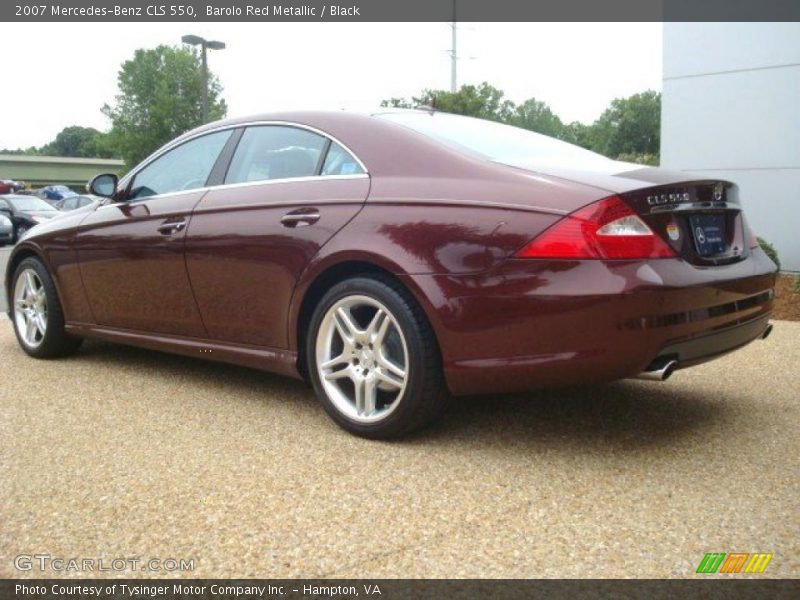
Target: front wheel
{"points": [[38, 318], [373, 359]]}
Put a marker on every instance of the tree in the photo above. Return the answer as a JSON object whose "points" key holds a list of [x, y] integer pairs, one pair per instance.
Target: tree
{"points": [[85, 142], [630, 126], [537, 116], [483, 101], [629, 129], [160, 97]]}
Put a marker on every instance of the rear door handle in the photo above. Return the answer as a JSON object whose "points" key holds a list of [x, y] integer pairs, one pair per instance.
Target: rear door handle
{"points": [[171, 226], [300, 217]]}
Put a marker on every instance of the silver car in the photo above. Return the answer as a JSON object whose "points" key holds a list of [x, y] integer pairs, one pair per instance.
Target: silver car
{"points": [[6, 231]]}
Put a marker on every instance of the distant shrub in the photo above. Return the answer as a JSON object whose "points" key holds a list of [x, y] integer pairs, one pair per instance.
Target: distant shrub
{"points": [[797, 284], [770, 251], [642, 159]]}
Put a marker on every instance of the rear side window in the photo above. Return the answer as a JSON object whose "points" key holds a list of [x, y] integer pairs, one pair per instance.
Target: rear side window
{"points": [[340, 162], [183, 168], [275, 152]]}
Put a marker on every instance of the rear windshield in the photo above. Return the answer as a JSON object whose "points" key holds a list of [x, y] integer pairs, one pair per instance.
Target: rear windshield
{"points": [[29, 203], [494, 141]]}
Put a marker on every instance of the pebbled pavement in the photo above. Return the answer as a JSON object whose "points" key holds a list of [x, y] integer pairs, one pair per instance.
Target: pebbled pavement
{"points": [[118, 452]]}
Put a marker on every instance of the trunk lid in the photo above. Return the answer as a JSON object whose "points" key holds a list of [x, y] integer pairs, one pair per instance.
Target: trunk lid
{"points": [[701, 219]]}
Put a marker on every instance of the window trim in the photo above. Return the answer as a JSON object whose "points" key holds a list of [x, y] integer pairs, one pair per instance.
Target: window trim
{"points": [[128, 179], [243, 125], [326, 144], [131, 177]]}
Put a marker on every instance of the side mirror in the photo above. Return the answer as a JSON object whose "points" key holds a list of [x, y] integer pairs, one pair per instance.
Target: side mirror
{"points": [[104, 185]]}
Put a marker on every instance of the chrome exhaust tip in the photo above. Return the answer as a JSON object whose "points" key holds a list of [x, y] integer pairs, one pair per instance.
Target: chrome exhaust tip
{"points": [[660, 372], [767, 331]]}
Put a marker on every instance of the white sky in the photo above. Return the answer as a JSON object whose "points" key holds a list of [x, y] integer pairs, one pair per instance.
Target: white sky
{"points": [[61, 74]]}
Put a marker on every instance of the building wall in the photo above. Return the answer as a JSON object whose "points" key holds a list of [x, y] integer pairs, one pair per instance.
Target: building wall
{"points": [[731, 109]]}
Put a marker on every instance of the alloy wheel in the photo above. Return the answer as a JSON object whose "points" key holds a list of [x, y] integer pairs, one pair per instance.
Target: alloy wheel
{"points": [[30, 308], [362, 358]]}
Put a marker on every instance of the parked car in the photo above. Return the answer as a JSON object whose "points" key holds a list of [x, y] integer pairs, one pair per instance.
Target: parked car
{"points": [[9, 186], [73, 202], [397, 258], [6, 230], [56, 192], [25, 212]]}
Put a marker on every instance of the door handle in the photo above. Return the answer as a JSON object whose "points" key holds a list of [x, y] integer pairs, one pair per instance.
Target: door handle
{"points": [[169, 227], [300, 217]]}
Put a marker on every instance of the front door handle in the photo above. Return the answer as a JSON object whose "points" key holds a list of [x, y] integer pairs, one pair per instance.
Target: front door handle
{"points": [[169, 226], [300, 217]]}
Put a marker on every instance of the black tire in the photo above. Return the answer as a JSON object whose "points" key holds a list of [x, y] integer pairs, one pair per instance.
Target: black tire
{"points": [[425, 397], [55, 342]]}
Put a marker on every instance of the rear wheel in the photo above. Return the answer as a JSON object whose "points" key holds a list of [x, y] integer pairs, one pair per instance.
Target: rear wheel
{"points": [[373, 359], [36, 310]]}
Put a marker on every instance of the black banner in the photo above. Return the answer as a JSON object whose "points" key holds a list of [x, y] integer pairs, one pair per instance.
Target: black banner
{"points": [[399, 10], [392, 589]]}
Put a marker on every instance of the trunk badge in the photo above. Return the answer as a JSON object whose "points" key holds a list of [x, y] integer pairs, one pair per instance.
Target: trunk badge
{"points": [[673, 231]]}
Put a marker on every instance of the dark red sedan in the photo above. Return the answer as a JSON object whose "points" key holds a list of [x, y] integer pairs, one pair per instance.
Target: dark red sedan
{"points": [[397, 259]]}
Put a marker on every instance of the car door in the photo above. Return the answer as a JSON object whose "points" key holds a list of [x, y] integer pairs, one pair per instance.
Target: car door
{"points": [[251, 237], [131, 253]]}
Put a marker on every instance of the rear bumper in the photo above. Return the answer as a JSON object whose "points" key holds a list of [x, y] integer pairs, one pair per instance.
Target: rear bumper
{"points": [[529, 323]]}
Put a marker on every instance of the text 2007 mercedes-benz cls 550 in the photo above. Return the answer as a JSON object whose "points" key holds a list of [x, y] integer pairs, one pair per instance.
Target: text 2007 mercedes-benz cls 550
{"points": [[397, 259]]}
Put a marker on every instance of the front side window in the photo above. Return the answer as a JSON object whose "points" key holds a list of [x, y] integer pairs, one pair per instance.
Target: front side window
{"points": [[70, 203], [186, 167], [4, 205], [275, 152]]}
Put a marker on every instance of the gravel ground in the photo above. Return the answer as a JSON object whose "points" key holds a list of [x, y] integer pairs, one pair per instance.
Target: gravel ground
{"points": [[119, 452]]}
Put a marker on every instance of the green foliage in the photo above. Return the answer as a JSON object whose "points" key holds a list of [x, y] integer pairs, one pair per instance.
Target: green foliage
{"points": [[642, 159], [160, 97], [536, 115], [797, 284], [630, 126], [770, 251], [85, 142], [483, 101], [32, 151], [629, 129]]}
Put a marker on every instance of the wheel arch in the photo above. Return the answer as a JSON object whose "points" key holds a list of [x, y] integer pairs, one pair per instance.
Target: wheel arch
{"points": [[19, 254], [312, 287]]}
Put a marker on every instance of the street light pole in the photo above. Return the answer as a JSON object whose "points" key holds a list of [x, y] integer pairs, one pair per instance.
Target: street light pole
{"points": [[196, 40], [454, 53], [205, 84]]}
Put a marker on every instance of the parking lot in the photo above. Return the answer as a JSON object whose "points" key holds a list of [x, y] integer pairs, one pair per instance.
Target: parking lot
{"points": [[120, 452]]}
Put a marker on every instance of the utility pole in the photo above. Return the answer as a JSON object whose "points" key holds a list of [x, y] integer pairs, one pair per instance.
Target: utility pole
{"points": [[454, 53]]}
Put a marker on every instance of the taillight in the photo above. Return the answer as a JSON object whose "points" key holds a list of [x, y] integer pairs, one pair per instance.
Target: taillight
{"points": [[607, 229]]}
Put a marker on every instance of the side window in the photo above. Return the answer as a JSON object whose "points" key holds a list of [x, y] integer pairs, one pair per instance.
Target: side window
{"points": [[84, 201], [4, 204], [183, 168], [70, 203], [275, 152], [340, 162]]}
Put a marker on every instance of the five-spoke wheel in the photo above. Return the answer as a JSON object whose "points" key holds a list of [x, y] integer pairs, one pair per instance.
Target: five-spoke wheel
{"points": [[373, 359], [362, 358], [30, 308], [36, 312]]}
